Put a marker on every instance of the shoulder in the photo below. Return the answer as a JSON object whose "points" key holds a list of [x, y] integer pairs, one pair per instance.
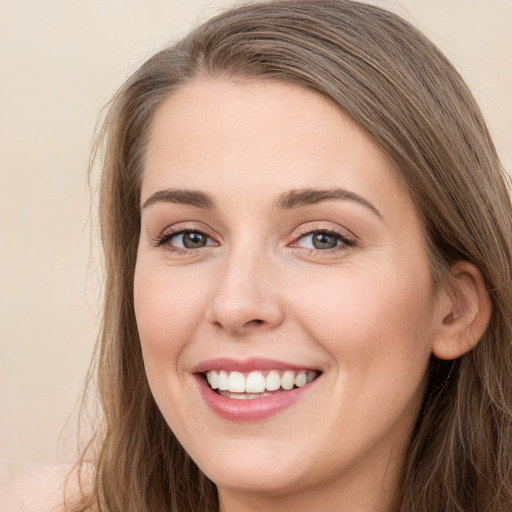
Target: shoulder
{"points": [[39, 489]]}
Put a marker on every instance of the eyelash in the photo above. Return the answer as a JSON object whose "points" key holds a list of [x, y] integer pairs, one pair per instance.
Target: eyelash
{"points": [[346, 242], [163, 240]]}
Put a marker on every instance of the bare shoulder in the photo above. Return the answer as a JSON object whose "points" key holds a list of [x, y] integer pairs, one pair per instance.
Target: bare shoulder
{"points": [[41, 488]]}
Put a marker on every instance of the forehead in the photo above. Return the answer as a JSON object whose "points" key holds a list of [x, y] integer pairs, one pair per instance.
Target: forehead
{"points": [[261, 138]]}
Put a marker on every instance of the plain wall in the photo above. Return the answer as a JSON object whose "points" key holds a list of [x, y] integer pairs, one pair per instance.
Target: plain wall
{"points": [[60, 62]]}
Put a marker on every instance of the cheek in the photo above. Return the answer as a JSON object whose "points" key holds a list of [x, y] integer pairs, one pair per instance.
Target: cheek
{"points": [[366, 318], [167, 312]]}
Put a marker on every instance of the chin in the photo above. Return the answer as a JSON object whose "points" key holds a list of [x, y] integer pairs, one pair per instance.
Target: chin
{"points": [[257, 475]]}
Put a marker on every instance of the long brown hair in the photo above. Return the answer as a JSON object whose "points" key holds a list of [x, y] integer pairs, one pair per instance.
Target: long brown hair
{"points": [[411, 101]]}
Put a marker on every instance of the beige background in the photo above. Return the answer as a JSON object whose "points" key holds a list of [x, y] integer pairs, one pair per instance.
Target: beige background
{"points": [[60, 62]]}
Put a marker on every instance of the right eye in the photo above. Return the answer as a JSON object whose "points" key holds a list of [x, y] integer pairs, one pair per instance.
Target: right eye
{"points": [[190, 240], [184, 240]]}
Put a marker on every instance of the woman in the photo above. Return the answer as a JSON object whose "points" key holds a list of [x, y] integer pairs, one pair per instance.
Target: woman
{"points": [[307, 239]]}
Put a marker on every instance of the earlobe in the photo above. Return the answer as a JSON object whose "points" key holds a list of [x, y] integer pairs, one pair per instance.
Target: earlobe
{"points": [[465, 312]]}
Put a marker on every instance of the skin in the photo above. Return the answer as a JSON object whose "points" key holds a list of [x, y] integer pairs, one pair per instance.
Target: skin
{"points": [[363, 314]]}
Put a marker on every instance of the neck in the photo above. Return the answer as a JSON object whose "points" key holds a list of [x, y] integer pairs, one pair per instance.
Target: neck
{"points": [[372, 491]]}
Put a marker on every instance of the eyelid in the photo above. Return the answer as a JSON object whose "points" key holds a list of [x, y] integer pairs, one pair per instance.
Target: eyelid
{"points": [[319, 227]]}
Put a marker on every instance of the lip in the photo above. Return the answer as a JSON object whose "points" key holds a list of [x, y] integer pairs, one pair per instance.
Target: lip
{"points": [[255, 409], [246, 365]]}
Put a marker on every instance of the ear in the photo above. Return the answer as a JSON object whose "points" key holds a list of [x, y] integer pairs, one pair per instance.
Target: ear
{"points": [[465, 308]]}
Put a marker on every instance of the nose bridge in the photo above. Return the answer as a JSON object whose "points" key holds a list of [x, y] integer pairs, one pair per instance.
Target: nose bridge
{"points": [[245, 296]]}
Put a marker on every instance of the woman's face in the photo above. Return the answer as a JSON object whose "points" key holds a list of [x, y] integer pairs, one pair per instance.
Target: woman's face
{"points": [[277, 250]]}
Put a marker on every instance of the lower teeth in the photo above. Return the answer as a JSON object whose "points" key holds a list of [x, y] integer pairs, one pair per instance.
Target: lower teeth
{"points": [[247, 396]]}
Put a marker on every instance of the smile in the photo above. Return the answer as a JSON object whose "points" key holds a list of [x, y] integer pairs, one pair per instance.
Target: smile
{"points": [[257, 384], [254, 389]]}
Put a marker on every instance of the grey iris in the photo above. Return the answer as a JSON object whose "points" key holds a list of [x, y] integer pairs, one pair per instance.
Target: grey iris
{"points": [[324, 241], [194, 240]]}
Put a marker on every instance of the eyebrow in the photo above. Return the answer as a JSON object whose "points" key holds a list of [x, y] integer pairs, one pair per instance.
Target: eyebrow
{"points": [[286, 201], [181, 196], [309, 196]]}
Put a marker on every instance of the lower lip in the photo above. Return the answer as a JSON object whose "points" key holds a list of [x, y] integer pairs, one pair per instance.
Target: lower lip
{"points": [[254, 409]]}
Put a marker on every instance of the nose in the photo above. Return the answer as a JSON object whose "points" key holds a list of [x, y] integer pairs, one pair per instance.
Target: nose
{"points": [[246, 297]]}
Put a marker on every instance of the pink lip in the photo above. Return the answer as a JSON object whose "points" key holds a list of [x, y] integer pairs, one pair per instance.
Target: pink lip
{"points": [[245, 366], [256, 408]]}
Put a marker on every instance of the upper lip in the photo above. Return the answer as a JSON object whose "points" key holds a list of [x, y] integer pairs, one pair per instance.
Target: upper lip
{"points": [[246, 365]]}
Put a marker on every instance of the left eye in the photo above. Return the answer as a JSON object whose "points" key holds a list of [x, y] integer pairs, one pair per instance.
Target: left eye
{"points": [[190, 240], [320, 240]]}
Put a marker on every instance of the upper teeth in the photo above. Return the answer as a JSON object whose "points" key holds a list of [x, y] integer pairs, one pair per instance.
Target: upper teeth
{"points": [[257, 382]]}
